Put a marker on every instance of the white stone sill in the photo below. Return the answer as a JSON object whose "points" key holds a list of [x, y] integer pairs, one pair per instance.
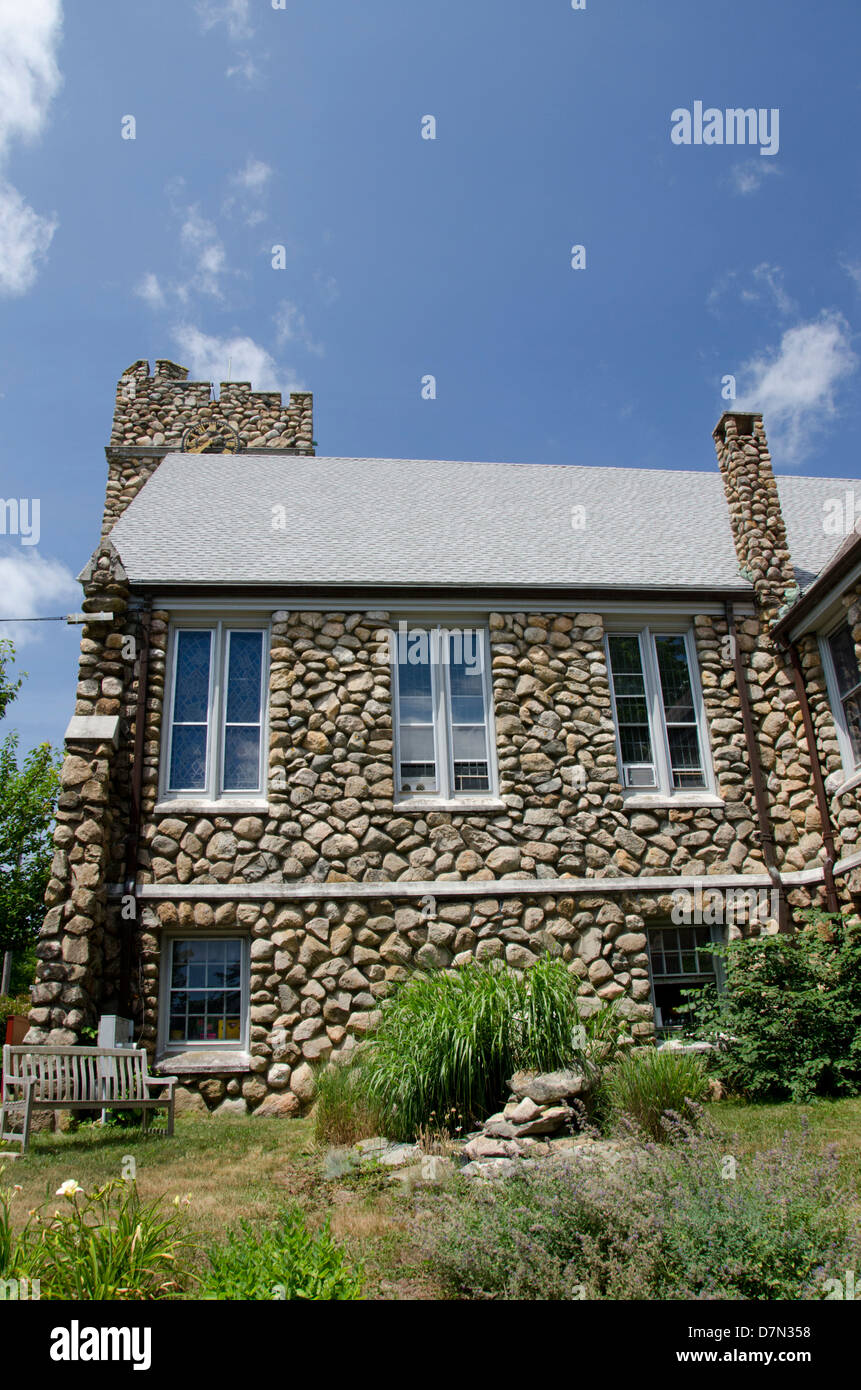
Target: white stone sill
{"points": [[190, 1063], [210, 808], [642, 801], [420, 805]]}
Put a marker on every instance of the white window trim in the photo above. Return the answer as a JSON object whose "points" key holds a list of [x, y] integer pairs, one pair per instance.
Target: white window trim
{"points": [[444, 797], [164, 1046], [664, 791], [838, 714], [212, 793]]}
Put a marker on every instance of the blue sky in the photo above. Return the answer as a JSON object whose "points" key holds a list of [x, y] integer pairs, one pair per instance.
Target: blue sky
{"points": [[301, 127]]}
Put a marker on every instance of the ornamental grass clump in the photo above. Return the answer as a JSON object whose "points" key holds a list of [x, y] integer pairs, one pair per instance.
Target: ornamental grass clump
{"points": [[647, 1086], [448, 1042], [344, 1112]]}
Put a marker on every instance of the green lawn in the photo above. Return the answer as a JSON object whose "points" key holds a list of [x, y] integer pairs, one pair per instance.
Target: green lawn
{"points": [[236, 1167]]}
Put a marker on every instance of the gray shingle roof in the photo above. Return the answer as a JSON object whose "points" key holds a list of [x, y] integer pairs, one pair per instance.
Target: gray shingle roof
{"points": [[208, 519]]}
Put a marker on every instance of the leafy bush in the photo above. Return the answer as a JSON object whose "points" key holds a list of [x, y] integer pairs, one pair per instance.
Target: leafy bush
{"points": [[344, 1112], [788, 1022], [648, 1085], [668, 1222], [281, 1261], [103, 1245], [447, 1042]]}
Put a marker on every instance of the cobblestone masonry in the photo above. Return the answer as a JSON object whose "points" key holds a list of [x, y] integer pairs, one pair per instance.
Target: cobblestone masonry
{"points": [[320, 967], [153, 412]]}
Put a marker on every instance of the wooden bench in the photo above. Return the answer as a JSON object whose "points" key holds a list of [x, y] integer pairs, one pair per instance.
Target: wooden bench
{"points": [[78, 1078]]}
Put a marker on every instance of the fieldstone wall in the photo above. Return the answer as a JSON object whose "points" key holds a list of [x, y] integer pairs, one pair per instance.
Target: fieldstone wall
{"points": [[80, 941], [331, 814], [152, 413], [320, 970]]}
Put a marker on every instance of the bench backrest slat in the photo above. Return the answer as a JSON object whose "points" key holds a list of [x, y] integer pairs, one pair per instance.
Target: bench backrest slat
{"points": [[78, 1073]]}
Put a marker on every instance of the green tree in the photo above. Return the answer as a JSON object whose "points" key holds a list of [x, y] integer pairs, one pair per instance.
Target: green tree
{"points": [[28, 798]]}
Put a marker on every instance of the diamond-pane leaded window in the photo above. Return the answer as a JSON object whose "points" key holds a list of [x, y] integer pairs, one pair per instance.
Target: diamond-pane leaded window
{"points": [[217, 711]]}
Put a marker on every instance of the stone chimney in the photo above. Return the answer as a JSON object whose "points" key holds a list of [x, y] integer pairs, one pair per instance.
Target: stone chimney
{"points": [[755, 514], [153, 413]]}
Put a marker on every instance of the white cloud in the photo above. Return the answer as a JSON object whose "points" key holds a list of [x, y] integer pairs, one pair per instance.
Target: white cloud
{"points": [[208, 359], [244, 67], [151, 291], [291, 327], [24, 241], [255, 176], [766, 283], [28, 584], [795, 385], [201, 239], [853, 270], [233, 13], [29, 80], [771, 276], [747, 178]]}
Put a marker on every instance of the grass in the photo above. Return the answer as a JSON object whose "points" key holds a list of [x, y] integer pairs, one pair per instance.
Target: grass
{"points": [[246, 1168], [234, 1169]]}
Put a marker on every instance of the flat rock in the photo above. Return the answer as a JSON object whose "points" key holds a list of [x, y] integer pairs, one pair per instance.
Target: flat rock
{"points": [[338, 1163], [486, 1147], [521, 1112], [548, 1121], [490, 1168], [545, 1088]]}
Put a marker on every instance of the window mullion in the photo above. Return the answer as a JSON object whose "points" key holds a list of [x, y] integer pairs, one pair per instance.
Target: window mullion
{"points": [[215, 714], [660, 743], [442, 707]]}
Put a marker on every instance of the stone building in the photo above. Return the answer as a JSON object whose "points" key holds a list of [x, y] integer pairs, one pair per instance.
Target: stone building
{"points": [[337, 719]]}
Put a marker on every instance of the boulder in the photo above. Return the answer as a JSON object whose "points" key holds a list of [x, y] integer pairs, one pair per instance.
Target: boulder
{"points": [[546, 1088]]}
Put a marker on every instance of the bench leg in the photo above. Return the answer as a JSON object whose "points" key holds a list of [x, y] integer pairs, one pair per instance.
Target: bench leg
{"points": [[28, 1113], [170, 1115], [145, 1120]]}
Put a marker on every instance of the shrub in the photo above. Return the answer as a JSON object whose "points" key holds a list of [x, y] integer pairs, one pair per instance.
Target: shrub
{"points": [[788, 1022], [103, 1245], [448, 1041], [648, 1085], [281, 1261], [667, 1223], [344, 1112]]}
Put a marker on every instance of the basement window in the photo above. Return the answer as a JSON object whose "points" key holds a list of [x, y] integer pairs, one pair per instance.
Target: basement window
{"points": [[205, 997], [215, 742], [658, 711], [442, 699], [678, 962]]}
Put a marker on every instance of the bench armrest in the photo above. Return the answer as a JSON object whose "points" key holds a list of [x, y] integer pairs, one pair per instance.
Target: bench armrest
{"points": [[169, 1081], [17, 1083]]}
